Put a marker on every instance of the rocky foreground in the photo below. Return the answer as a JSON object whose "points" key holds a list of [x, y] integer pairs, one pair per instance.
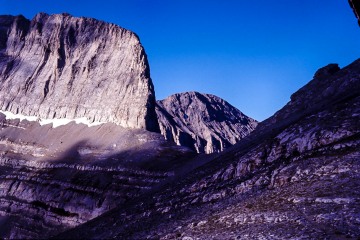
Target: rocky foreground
{"points": [[297, 176], [53, 179]]}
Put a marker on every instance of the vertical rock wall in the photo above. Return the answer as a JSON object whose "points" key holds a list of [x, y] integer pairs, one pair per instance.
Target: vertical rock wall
{"points": [[59, 66]]}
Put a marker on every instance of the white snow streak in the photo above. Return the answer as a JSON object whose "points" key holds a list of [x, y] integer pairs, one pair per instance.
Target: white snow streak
{"points": [[56, 122]]}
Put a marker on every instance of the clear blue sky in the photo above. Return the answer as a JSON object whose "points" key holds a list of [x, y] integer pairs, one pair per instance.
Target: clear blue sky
{"points": [[254, 54]]}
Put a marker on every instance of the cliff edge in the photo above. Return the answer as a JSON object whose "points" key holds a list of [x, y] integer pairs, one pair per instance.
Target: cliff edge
{"points": [[59, 66]]}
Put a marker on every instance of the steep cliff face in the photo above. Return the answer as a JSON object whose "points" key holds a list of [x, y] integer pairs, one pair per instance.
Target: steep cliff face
{"points": [[295, 176], [202, 122], [59, 66]]}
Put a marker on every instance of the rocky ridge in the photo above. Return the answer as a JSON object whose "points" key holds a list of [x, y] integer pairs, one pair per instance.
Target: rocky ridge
{"points": [[58, 73], [76, 101], [59, 66], [202, 122], [295, 176], [355, 5]]}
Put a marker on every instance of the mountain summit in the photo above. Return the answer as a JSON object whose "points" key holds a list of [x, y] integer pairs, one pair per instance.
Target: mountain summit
{"points": [[59, 66], [202, 122]]}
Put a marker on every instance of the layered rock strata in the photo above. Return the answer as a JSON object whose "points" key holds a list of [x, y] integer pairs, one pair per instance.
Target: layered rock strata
{"points": [[53, 179], [58, 73], [76, 100], [296, 176], [202, 122], [59, 66]]}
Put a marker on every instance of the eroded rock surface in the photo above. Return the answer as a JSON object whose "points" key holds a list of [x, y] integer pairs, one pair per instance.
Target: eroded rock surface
{"points": [[296, 176], [53, 179], [202, 122], [59, 66]]}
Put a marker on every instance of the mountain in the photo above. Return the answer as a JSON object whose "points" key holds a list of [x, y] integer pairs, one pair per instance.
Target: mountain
{"points": [[81, 149], [202, 122], [79, 130], [77, 110], [297, 175], [59, 66]]}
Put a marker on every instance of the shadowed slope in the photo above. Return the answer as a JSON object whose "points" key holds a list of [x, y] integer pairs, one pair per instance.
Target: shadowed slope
{"points": [[295, 176], [52, 179]]}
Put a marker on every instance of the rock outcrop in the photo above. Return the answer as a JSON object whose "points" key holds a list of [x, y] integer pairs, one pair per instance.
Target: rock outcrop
{"points": [[202, 122], [59, 66], [355, 5], [53, 179], [296, 176]]}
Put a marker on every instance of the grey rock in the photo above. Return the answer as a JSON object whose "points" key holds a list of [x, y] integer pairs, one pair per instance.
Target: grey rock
{"points": [[296, 176], [59, 66], [202, 122], [53, 179]]}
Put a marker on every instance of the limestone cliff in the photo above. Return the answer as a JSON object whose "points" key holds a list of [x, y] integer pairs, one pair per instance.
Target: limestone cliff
{"points": [[59, 66]]}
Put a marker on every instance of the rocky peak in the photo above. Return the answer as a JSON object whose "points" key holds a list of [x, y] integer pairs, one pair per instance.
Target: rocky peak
{"points": [[328, 85], [355, 5], [59, 66], [327, 71], [203, 122]]}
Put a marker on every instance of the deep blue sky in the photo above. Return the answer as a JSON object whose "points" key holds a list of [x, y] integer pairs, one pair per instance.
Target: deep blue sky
{"points": [[254, 54]]}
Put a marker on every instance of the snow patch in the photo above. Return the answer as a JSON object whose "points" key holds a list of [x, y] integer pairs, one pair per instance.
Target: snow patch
{"points": [[56, 122]]}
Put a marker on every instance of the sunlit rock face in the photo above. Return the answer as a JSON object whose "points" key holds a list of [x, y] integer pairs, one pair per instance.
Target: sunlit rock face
{"points": [[76, 104], [59, 66], [296, 176], [203, 122]]}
